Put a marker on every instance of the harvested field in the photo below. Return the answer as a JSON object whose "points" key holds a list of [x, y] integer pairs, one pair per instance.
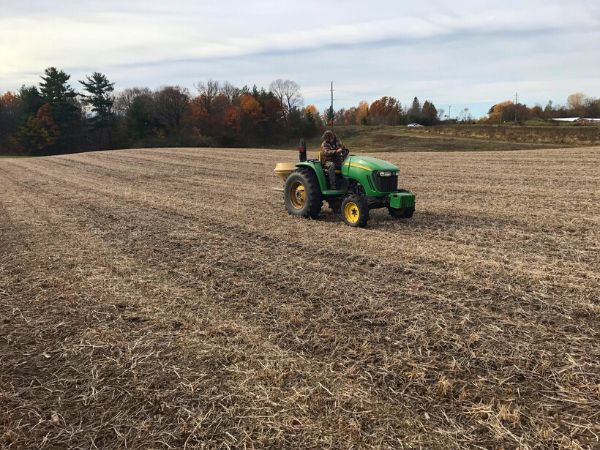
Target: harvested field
{"points": [[165, 299]]}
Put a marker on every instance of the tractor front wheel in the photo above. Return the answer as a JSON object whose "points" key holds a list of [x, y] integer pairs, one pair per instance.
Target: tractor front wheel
{"points": [[302, 194], [355, 211]]}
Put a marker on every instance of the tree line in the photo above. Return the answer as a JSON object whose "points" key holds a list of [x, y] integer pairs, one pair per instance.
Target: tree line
{"points": [[388, 111], [578, 105], [54, 118]]}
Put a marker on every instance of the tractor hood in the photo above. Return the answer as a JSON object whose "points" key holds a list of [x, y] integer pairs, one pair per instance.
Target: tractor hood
{"points": [[370, 164]]}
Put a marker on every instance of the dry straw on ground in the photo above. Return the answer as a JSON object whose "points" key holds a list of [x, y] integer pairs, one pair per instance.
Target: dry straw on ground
{"points": [[164, 299]]}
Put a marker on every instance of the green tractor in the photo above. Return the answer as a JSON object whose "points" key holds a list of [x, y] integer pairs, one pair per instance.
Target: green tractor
{"points": [[363, 183]]}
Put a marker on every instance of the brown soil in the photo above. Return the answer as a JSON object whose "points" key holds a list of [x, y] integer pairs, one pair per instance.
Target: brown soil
{"points": [[165, 299]]}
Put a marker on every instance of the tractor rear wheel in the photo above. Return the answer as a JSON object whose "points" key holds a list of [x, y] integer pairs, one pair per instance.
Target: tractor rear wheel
{"points": [[302, 194], [355, 210]]}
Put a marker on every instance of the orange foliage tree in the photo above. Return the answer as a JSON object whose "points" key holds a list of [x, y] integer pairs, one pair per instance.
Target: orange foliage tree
{"points": [[386, 110], [39, 132]]}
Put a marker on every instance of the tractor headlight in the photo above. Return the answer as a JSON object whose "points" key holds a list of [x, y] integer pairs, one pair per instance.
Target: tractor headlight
{"points": [[386, 173]]}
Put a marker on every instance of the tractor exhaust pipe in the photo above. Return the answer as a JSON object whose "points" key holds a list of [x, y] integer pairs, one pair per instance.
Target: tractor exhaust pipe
{"points": [[302, 150]]}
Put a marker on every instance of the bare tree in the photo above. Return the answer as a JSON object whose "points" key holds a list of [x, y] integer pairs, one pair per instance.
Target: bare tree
{"points": [[288, 94], [170, 105], [124, 99], [208, 91], [229, 91]]}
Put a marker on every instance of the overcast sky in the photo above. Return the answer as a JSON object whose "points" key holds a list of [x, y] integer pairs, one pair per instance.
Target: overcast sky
{"points": [[464, 53]]}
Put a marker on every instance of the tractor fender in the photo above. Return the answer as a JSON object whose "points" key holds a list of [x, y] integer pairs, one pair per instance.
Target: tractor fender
{"points": [[316, 167]]}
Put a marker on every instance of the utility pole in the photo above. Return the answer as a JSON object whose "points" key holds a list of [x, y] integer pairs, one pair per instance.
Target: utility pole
{"points": [[516, 103], [331, 107]]}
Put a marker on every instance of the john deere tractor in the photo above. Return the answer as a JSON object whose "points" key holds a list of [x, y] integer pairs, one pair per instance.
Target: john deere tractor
{"points": [[363, 183]]}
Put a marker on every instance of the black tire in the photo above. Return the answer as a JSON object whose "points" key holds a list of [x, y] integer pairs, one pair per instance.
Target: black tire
{"points": [[355, 211], [402, 213], [304, 181]]}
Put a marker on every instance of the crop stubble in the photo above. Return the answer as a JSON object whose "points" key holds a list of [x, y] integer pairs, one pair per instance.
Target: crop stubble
{"points": [[164, 298]]}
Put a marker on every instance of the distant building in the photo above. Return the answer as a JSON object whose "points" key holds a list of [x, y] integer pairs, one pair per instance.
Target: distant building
{"points": [[577, 119]]}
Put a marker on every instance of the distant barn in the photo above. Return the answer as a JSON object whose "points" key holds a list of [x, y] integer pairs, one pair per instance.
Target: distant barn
{"points": [[576, 119]]}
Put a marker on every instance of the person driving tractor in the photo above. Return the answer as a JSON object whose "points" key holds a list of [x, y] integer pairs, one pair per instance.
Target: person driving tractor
{"points": [[334, 153]]}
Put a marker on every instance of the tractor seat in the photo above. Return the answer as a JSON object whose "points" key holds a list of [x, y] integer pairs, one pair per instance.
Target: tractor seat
{"points": [[321, 158]]}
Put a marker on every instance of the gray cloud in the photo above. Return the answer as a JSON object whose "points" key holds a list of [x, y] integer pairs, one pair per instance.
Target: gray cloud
{"points": [[467, 52]]}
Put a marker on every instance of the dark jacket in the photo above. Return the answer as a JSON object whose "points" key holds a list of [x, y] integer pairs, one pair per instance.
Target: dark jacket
{"points": [[329, 151]]}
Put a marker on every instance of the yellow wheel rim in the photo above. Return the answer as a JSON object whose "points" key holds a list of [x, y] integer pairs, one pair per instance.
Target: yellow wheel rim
{"points": [[298, 195], [351, 212]]}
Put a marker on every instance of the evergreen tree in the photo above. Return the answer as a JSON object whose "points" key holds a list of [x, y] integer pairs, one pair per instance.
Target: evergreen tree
{"points": [[310, 123], [329, 115], [549, 110], [99, 98], [55, 90], [31, 101], [415, 113]]}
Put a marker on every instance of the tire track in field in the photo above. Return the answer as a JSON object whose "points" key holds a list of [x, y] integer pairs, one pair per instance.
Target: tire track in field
{"points": [[82, 234], [432, 223], [475, 218], [164, 255], [77, 182], [163, 210]]}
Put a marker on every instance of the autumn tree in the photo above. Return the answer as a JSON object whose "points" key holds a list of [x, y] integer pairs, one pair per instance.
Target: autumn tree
{"points": [[362, 113], [386, 111], [198, 116], [507, 111], [580, 105], [575, 102], [232, 118], [312, 121], [251, 108], [39, 133], [314, 112], [349, 117], [10, 112], [537, 112], [252, 118], [429, 114], [499, 112]]}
